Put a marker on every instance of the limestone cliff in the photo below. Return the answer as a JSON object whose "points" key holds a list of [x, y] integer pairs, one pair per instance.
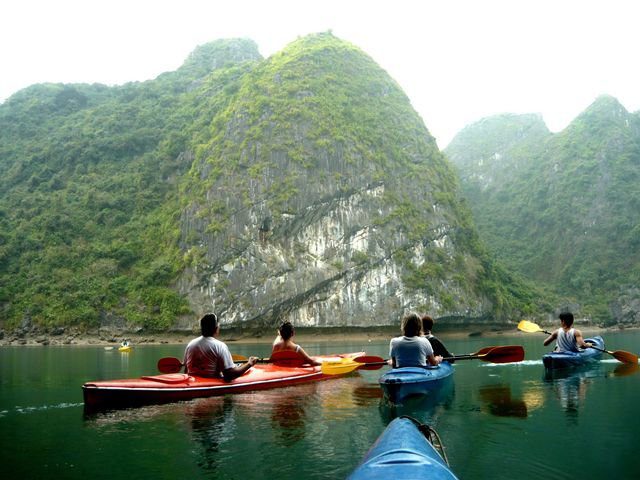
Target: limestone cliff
{"points": [[322, 198], [303, 186]]}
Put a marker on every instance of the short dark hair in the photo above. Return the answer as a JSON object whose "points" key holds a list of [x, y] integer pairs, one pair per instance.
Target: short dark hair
{"points": [[566, 318], [209, 324], [427, 323], [286, 330], [411, 325]]}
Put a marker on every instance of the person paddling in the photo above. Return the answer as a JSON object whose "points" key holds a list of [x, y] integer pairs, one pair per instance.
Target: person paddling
{"points": [[207, 356], [284, 341], [568, 339]]}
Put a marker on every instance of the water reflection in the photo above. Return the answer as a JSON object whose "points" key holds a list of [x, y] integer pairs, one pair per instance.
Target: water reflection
{"points": [[424, 408], [289, 412], [625, 369], [497, 400], [211, 424], [533, 397], [366, 395], [570, 386]]}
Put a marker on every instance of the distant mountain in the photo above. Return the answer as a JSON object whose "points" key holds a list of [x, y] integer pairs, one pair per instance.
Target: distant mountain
{"points": [[562, 208], [303, 186]]}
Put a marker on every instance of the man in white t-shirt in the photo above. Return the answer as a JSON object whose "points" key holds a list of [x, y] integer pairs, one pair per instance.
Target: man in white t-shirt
{"points": [[206, 356], [412, 350]]}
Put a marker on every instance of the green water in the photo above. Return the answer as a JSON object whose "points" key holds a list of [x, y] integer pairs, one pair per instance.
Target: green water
{"points": [[496, 421]]}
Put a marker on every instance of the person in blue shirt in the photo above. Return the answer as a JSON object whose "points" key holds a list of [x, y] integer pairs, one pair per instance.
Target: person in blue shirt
{"points": [[412, 349]]}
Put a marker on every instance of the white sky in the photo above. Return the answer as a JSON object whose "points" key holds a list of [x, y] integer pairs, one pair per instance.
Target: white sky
{"points": [[457, 60]]}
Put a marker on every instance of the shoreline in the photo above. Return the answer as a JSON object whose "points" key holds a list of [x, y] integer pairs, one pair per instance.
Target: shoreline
{"points": [[302, 335]]}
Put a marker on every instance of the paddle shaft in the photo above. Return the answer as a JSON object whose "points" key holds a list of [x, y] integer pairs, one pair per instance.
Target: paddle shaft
{"points": [[620, 355], [504, 354]]}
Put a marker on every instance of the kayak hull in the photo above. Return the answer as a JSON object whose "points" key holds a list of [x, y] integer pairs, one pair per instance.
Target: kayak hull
{"points": [[400, 383], [167, 388], [402, 452], [557, 360]]}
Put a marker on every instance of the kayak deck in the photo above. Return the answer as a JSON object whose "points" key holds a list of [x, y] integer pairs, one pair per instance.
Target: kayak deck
{"points": [[555, 360], [167, 388], [402, 451]]}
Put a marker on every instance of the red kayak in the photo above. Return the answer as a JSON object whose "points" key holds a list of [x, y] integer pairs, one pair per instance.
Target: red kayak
{"points": [[175, 387]]}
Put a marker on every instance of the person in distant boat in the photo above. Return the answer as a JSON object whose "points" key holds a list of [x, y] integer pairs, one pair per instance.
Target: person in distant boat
{"points": [[125, 343], [284, 341], [436, 344], [568, 339], [206, 356], [412, 349]]}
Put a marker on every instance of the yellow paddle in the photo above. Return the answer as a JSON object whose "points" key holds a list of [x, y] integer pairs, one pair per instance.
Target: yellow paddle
{"points": [[342, 367], [530, 327], [620, 355]]}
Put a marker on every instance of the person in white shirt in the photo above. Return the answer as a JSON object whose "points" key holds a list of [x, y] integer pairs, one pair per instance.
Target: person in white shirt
{"points": [[411, 349], [206, 356]]}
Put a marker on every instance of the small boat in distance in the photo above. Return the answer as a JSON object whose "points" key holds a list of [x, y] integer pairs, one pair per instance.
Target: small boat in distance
{"points": [[125, 346]]}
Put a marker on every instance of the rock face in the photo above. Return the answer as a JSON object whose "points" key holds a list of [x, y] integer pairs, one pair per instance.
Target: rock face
{"points": [[322, 198], [303, 187]]}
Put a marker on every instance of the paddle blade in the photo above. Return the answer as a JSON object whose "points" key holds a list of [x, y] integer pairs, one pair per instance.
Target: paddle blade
{"points": [[339, 368], [370, 362], [505, 354], [529, 327], [484, 350], [625, 369], [239, 358], [625, 357], [368, 359], [373, 365], [169, 365], [287, 358]]}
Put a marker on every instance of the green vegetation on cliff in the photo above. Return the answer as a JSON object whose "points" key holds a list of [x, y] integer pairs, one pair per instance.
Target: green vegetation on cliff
{"points": [[111, 196], [560, 208], [88, 178]]}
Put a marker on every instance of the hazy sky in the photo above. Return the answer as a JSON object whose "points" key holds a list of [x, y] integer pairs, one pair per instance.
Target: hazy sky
{"points": [[457, 60]]}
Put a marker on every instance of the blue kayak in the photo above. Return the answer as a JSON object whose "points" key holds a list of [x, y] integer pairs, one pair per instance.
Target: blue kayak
{"points": [[553, 360], [399, 383], [402, 451]]}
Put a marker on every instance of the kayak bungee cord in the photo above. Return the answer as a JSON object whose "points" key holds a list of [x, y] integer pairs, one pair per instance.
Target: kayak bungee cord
{"points": [[431, 435]]}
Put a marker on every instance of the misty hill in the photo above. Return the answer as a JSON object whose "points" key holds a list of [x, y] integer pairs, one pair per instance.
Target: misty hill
{"points": [[303, 186], [561, 208]]}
